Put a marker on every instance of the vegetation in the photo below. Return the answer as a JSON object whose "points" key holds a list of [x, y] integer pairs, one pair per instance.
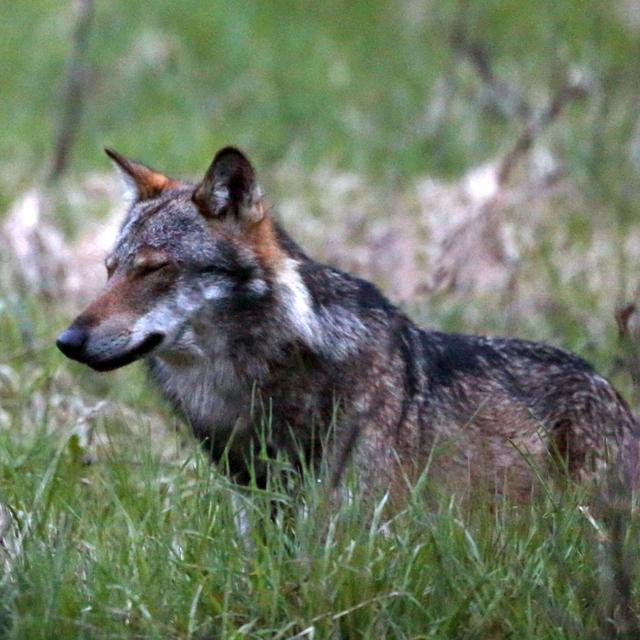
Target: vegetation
{"points": [[149, 540]]}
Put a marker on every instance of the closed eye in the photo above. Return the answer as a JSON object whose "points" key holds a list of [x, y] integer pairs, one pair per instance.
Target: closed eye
{"points": [[146, 269], [216, 269]]}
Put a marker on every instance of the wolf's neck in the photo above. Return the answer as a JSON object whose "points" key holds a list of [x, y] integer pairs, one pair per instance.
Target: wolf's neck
{"points": [[314, 312]]}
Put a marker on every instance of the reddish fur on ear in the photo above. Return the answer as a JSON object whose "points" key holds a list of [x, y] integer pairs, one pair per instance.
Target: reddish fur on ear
{"points": [[262, 239], [144, 182], [231, 201]]}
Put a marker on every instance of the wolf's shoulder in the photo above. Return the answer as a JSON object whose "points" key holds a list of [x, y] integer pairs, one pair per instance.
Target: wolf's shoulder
{"points": [[331, 286]]}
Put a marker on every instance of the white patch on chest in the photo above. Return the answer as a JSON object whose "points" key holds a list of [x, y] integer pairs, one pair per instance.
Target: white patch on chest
{"points": [[297, 302]]}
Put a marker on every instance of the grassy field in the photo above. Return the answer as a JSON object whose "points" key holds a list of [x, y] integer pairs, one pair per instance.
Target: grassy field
{"points": [[113, 524]]}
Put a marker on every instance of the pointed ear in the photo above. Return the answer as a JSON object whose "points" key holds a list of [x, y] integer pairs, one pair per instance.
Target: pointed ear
{"points": [[142, 182], [229, 188]]}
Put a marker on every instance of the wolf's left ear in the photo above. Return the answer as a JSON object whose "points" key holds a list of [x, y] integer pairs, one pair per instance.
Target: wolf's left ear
{"points": [[230, 187], [141, 181]]}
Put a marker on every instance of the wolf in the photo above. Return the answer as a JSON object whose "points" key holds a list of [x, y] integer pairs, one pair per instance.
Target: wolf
{"points": [[265, 352]]}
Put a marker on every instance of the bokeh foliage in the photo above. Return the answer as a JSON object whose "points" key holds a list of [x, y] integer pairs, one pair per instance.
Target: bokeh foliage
{"points": [[141, 544], [373, 86]]}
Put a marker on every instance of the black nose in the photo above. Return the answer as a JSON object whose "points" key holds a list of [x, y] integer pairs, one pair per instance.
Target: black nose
{"points": [[71, 342]]}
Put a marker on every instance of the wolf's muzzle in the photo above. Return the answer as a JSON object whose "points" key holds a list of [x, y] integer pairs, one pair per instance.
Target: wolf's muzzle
{"points": [[122, 359], [77, 344]]}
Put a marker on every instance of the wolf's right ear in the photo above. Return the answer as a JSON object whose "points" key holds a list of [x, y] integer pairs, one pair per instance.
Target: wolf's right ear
{"points": [[230, 187], [142, 183]]}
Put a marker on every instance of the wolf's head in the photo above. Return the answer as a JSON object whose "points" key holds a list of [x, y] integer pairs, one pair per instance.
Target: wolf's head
{"points": [[187, 257]]}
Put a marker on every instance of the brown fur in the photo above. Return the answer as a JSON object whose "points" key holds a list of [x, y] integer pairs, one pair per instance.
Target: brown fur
{"points": [[264, 350], [149, 183]]}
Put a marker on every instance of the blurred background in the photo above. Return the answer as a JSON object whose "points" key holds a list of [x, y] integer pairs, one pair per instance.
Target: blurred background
{"points": [[478, 160]]}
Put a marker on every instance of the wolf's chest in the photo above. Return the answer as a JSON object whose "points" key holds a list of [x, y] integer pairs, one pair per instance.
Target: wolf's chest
{"points": [[209, 394]]}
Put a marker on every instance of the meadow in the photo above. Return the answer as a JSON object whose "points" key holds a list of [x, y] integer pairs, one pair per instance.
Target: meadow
{"points": [[477, 160]]}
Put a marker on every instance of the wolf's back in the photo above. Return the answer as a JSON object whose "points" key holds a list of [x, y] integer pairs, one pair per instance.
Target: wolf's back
{"points": [[498, 399]]}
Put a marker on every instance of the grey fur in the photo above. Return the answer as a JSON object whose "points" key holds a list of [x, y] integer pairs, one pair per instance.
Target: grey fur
{"points": [[252, 331]]}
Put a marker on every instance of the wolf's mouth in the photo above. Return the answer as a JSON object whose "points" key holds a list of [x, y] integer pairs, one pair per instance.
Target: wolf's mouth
{"points": [[144, 348]]}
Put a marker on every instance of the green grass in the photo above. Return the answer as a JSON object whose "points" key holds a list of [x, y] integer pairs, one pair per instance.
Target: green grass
{"points": [[134, 546], [357, 85], [149, 540]]}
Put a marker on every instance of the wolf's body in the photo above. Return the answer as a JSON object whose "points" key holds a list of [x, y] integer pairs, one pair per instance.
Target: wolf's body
{"points": [[257, 344]]}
